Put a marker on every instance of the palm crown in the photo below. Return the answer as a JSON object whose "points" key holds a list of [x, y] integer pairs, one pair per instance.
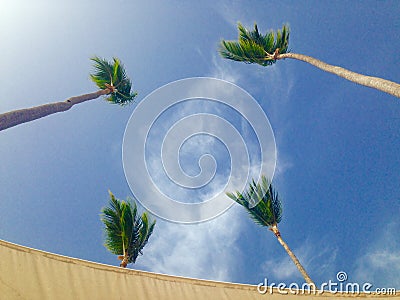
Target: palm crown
{"points": [[112, 76], [261, 202], [253, 47], [265, 208], [126, 232]]}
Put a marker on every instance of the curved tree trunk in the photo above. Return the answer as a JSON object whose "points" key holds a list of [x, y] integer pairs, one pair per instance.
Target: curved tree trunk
{"points": [[303, 272], [16, 117], [383, 85]]}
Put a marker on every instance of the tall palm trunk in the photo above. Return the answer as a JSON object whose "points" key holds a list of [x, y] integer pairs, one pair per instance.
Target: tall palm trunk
{"points": [[383, 85], [16, 117], [303, 272]]}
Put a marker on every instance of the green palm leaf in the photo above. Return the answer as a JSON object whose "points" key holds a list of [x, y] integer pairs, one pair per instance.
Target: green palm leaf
{"points": [[253, 47], [144, 235], [126, 232], [267, 212], [112, 74], [261, 202]]}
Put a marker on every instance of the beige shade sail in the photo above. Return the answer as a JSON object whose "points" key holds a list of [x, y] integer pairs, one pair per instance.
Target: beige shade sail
{"points": [[27, 273]]}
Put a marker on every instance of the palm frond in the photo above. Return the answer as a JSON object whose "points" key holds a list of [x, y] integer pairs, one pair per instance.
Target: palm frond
{"points": [[253, 47], [113, 74], [261, 201], [112, 218], [144, 234], [126, 232]]}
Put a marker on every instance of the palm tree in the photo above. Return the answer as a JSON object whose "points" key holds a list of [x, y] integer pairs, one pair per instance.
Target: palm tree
{"points": [[262, 203], [110, 78], [253, 47], [126, 231]]}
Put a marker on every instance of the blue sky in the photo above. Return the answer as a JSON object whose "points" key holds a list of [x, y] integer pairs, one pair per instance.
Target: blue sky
{"points": [[337, 142]]}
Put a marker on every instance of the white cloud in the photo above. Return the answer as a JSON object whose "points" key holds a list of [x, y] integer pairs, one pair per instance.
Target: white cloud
{"points": [[317, 258], [380, 263], [272, 88], [208, 250], [205, 250], [222, 70], [233, 12], [283, 163]]}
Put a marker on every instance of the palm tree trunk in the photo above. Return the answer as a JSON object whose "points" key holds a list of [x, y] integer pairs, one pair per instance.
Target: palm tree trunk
{"points": [[383, 85], [303, 272], [124, 262], [124, 257], [16, 117]]}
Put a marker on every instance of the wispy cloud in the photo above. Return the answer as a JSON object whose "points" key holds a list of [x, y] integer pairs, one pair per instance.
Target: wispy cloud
{"points": [[210, 250], [233, 12], [317, 257], [274, 91], [380, 262], [222, 70], [272, 87], [207, 250]]}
